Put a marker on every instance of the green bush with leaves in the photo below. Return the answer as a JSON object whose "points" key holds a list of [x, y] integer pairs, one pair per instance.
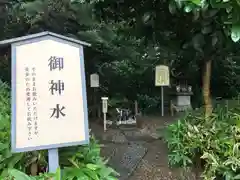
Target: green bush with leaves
{"points": [[148, 104], [211, 145], [12, 174], [78, 162]]}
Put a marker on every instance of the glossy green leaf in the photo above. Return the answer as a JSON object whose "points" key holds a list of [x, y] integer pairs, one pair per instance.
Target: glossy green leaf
{"points": [[218, 4], [196, 14], [90, 173], [237, 177], [179, 3], [146, 17], [214, 40], [105, 172], [3, 146], [58, 174], [206, 30], [92, 166], [18, 175], [229, 9], [210, 13], [14, 160], [188, 9], [198, 42], [197, 2], [111, 178], [235, 33], [172, 7]]}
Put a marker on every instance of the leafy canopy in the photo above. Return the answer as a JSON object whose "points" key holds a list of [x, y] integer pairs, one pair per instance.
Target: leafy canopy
{"points": [[225, 12]]}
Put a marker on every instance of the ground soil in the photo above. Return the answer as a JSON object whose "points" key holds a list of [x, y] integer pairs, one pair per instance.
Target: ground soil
{"points": [[154, 165]]}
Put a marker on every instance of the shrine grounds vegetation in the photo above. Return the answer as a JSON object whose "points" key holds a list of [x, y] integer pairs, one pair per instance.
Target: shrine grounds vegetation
{"points": [[79, 162], [210, 145], [129, 38]]}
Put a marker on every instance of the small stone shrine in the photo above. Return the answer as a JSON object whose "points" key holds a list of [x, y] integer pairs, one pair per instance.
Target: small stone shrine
{"points": [[181, 98]]}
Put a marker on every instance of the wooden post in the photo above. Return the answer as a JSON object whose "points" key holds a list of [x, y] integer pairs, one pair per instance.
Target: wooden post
{"points": [[94, 83], [162, 78], [162, 101], [104, 122], [136, 107], [95, 101], [104, 110], [53, 160], [171, 107]]}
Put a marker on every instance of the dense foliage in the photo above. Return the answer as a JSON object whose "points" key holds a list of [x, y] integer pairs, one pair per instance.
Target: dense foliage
{"points": [[76, 162], [128, 40], [225, 12], [211, 145]]}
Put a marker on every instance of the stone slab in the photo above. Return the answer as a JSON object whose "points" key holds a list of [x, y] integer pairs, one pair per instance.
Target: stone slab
{"points": [[126, 159]]}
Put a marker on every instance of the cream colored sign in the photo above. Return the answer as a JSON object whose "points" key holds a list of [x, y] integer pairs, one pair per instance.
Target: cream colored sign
{"points": [[104, 104], [162, 76], [94, 80], [49, 95]]}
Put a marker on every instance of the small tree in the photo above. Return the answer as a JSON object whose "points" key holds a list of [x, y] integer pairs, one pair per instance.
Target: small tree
{"points": [[213, 22]]}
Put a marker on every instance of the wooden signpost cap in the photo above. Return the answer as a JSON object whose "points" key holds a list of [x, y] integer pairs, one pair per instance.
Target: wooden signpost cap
{"points": [[40, 35], [104, 98]]}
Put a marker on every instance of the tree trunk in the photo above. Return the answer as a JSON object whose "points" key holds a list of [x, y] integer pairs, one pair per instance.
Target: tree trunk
{"points": [[34, 169], [206, 88]]}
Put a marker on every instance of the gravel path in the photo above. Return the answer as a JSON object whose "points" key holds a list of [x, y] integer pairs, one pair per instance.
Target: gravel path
{"points": [[154, 165]]}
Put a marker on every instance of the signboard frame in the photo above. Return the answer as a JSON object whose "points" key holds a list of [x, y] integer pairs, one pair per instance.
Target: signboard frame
{"points": [[33, 39], [94, 84], [104, 111], [165, 69]]}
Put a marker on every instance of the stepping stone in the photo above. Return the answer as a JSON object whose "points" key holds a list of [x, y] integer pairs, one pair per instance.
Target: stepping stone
{"points": [[126, 159], [108, 150], [111, 136], [137, 135], [128, 128], [114, 136]]}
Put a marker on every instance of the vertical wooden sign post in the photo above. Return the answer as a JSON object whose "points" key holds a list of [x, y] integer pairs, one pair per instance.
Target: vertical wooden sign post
{"points": [[104, 110], [49, 103], [94, 83], [162, 79]]}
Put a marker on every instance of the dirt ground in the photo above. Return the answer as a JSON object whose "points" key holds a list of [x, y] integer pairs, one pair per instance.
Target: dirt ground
{"points": [[154, 165]]}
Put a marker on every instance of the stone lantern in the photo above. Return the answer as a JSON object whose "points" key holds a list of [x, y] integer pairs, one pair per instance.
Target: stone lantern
{"points": [[182, 97]]}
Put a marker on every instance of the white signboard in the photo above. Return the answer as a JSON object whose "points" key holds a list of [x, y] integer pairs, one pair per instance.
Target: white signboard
{"points": [[104, 104], [162, 76], [94, 80], [49, 95]]}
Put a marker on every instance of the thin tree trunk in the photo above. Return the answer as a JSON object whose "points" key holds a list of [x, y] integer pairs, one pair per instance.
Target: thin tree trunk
{"points": [[34, 169], [206, 88]]}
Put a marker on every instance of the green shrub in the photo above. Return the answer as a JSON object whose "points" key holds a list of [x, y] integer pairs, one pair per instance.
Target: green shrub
{"points": [[12, 174], [79, 162], [210, 144], [148, 104]]}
